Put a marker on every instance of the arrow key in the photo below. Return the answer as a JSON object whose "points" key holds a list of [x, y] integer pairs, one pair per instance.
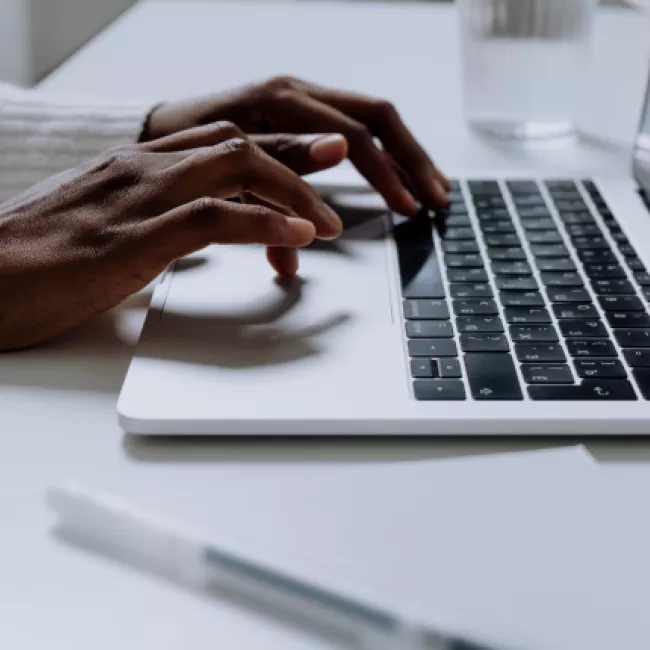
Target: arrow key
{"points": [[492, 376]]}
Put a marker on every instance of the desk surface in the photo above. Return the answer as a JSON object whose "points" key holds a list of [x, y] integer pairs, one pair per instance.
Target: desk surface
{"points": [[58, 403]]}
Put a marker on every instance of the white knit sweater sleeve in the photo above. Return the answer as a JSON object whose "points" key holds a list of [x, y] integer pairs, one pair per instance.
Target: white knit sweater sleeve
{"points": [[42, 134]]}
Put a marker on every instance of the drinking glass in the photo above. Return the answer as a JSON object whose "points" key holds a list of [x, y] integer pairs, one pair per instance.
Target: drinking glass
{"points": [[525, 64]]}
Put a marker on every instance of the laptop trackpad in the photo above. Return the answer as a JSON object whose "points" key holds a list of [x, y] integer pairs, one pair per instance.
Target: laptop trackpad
{"points": [[226, 308]]}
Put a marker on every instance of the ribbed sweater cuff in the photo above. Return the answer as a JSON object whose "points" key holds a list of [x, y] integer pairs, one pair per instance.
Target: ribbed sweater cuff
{"points": [[41, 136]]}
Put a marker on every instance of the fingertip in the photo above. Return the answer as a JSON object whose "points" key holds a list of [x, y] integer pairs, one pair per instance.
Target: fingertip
{"points": [[302, 231], [328, 150], [441, 192], [283, 260]]}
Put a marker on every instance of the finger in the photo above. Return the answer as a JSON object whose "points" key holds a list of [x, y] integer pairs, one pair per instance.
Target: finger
{"points": [[237, 166], [206, 221], [306, 114], [305, 154], [201, 136], [283, 259], [384, 121]]}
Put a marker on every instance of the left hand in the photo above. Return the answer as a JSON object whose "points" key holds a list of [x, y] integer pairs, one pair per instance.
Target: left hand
{"points": [[400, 169]]}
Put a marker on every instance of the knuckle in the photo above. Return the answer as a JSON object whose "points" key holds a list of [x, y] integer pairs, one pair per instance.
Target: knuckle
{"points": [[263, 223], [227, 129], [359, 134], [281, 83], [238, 147], [386, 109], [201, 209], [125, 165]]}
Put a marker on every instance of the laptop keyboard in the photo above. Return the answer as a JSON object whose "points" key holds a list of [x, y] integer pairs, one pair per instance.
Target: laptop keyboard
{"points": [[551, 305]]}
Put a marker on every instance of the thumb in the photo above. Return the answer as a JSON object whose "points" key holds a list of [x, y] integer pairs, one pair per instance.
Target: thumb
{"points": [[305, 154]]}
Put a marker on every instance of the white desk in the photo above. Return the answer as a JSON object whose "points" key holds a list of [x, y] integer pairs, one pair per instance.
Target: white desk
{"points": [[58, 404]]}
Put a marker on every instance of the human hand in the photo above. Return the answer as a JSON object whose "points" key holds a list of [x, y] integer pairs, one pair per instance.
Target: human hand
{"points": [[80, 243], [400, 170]]}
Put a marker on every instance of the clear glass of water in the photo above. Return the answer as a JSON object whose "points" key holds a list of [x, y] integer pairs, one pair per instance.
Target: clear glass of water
{"points": [[525, 64]]}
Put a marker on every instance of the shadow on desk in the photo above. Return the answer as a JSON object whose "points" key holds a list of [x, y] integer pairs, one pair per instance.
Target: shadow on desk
{"points": [[318, 449]]}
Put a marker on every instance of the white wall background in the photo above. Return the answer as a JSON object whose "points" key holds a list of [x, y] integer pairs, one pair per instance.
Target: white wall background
{"points": [[37, 35]]}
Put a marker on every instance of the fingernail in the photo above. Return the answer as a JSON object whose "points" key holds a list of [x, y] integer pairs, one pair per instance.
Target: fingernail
{"points": [[335, 221], [325, 148]]}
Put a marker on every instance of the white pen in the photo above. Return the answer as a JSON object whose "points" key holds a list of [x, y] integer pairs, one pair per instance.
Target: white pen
{"points": [[114, 526]]}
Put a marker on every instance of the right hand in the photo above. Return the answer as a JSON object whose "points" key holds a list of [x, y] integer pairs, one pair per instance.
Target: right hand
{"points": [[82, 242]]}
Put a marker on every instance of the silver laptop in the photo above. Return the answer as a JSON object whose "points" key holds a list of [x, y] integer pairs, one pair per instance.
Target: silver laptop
{"points": [[524, 310]]}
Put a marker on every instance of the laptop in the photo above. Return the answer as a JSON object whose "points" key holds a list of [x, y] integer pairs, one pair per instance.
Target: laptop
{"points": [[524, 309]]}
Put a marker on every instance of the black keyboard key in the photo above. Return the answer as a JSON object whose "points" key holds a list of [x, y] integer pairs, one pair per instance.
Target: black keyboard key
{"points": [[426, 310], [613, 287], [642, 278], [459, 234], [540, 353], [582, 218], [555, 185], [432, 348], [516, 284], [622, 239], [591, 348], [547, 374], [570, 206], [646, 292], [422, 368], [466, 261], [484, 343], [590, 243], [533, 333], [521, 299], [475, 307], [628, 319], [479, 324], [492, 376], [637, 357], [456, 208], [635, 264], [565, 279], [456, 221], [597, 257], [633, 338], [513, 254], [492, 214], [449, 368], [570, 311], [530, 201], [525, 187], [604, 271], [621, 303], [544, 237], [533, 213], [527, 315], [497, 227], [427, 390], [549, 250], [460, 247], [626, 249], [484, 188], [583, 329], [600, 368], [538, 224], [418, 263], [511, 268], [553, 266], [642, 376], [485, 203], [588, 390], [467, 275], [429, 329], [588, 230], [470, 290], [568, 294], [502, 240]]}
